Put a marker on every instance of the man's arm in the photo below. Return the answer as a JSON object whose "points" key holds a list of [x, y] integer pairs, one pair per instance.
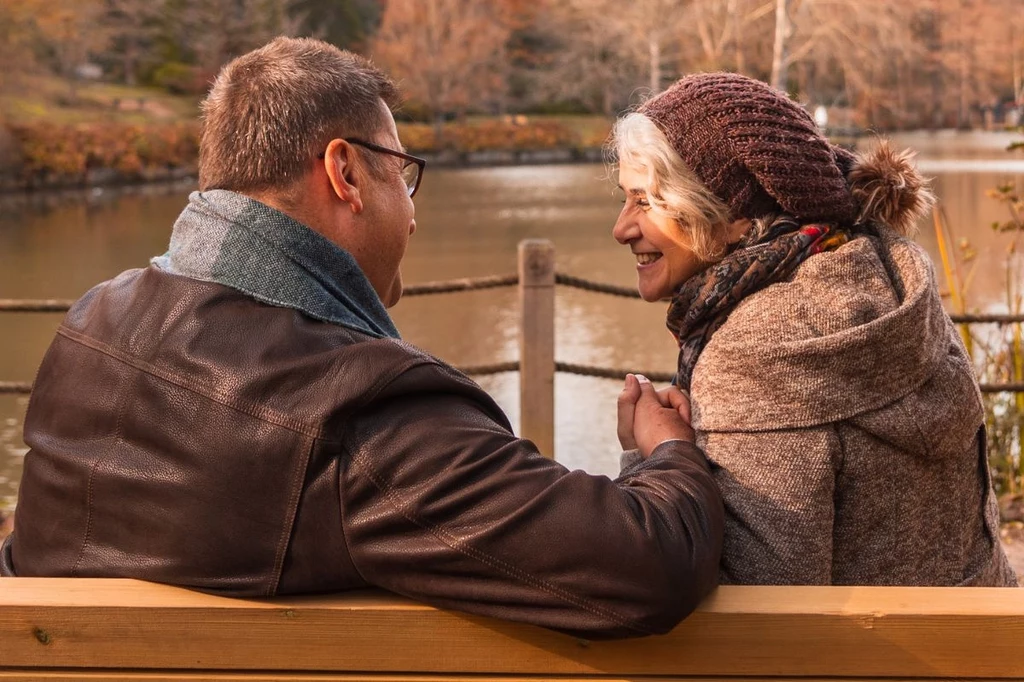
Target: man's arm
{"points": [[442, 503]]}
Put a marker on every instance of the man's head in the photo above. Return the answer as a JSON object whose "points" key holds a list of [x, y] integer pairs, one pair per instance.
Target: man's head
{"points": [[271, 111], [275, 127]]}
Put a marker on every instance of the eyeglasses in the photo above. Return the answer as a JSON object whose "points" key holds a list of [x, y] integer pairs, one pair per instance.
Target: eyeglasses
{"points": [[412, 169]]}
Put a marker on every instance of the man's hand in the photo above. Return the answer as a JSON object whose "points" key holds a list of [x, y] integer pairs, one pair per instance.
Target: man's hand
{"points": [[647, 418], [626, 407]]}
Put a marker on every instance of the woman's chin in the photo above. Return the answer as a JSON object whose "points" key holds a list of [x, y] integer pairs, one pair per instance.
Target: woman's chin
{"points": [[651, 292]]}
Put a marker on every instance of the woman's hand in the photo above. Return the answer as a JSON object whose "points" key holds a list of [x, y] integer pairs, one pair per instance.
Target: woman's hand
{"points": [[647, 418]]}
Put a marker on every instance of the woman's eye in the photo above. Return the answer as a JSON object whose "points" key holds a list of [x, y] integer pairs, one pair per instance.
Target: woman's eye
{"points": [[643, 204]]}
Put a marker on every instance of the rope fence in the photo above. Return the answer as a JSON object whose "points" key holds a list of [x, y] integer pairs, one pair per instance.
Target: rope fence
{"points": [[61, 305], [511, 280], [597, 287], [464, 284]]}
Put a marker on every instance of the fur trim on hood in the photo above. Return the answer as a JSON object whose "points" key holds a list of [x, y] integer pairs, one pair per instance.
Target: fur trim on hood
{"points": [[888, 188]]}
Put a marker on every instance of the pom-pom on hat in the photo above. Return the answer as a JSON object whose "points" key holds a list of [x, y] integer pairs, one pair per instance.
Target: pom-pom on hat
{"points": [[754, 148]]}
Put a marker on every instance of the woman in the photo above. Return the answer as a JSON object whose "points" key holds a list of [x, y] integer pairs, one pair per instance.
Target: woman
{"points": [[829, 389]]}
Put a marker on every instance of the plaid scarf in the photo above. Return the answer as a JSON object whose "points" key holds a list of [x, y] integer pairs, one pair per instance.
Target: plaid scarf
{"points": [[230, 239], [705, 300]]}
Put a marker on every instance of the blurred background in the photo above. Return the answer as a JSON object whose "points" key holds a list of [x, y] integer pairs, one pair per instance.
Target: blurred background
{"points": [[870, 63]]}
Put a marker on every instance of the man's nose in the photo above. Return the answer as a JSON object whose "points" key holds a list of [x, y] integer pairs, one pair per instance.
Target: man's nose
{"points": [[412, 227]]}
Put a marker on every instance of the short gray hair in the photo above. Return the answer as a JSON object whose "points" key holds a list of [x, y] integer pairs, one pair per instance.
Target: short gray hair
{"points": [[272, 110], [672, 188]]}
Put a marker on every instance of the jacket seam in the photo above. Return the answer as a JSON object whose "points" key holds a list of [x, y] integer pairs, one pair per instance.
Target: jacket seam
{"points": [[88, 516], [464, 548], [298, 485], [263, 414], [89, 486], [342, 515], [387, 378]]}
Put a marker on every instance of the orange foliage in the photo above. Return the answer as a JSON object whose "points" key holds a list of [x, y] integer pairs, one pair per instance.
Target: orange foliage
{"points": [[494, 134], [68, 152], [65, 153]]}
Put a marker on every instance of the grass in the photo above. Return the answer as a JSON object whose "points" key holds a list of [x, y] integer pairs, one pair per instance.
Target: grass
{"points": [[39, 98]]}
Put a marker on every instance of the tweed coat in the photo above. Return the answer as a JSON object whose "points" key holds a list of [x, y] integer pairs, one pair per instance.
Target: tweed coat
{"points": [[844, 425]]}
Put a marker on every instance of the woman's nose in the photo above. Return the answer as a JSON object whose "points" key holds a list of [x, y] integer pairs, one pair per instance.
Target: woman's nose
{"points": [[625, 229]]}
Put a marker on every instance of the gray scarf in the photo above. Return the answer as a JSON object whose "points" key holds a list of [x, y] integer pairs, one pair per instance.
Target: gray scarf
{"points": [[230, 239]]}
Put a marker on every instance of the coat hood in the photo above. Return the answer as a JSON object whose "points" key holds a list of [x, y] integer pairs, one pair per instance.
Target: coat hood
{"points": [[853, 330]]}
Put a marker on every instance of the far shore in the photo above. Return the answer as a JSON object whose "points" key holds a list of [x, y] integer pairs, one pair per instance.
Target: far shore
{"points": [[948, 145], [108, 178]]}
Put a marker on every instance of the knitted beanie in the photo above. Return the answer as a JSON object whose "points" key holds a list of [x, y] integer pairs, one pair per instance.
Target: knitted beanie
{"points": [[754, 148]]}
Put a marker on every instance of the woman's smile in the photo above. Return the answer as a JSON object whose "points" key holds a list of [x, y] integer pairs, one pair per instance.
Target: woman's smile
{"points": [[644, 260]]}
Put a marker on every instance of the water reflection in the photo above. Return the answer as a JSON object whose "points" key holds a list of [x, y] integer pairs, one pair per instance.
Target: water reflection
{"points": [[470, 222]]}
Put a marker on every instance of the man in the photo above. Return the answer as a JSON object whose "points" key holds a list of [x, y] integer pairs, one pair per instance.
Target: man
{"points": [[241, 417]]}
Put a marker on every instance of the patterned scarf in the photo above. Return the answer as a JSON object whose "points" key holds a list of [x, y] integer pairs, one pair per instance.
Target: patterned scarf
{"points": [[705, 300]]}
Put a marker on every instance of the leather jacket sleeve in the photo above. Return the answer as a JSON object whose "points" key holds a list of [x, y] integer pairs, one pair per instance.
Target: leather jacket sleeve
{"points": [[442, 503]]}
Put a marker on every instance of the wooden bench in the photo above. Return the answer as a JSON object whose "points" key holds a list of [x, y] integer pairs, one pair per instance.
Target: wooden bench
{"points": [[80, 629]]}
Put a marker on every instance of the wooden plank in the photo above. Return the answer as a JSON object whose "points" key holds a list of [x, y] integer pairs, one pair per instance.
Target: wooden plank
{"points": [[161, 676], [537, 343], [921, 633], [171, 676]]}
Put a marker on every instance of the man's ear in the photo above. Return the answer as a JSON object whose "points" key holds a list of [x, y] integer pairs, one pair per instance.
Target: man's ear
{"points": [[344, 173]]}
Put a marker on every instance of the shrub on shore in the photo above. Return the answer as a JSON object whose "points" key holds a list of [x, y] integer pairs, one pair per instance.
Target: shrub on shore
{"points": [[65, 154], [508, 133], [38, 155]]}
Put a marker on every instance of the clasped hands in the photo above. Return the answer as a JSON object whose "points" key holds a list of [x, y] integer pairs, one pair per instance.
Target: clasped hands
{"points": [[649, 417]]}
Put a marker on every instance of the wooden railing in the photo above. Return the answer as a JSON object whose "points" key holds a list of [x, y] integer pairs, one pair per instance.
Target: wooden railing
{"points": [[82, 629]]}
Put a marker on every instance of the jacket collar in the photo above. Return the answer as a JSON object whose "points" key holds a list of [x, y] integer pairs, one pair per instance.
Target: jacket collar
{"points": [[233, 240]]}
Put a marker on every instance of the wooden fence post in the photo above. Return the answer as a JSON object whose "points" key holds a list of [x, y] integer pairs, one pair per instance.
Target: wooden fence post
{"points": [[537, 343]]}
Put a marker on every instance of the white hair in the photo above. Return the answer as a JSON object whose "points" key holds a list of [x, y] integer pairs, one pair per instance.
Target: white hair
{"points": [[672, 188]]}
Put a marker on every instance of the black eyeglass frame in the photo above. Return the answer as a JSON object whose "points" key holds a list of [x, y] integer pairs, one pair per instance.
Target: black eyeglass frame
{"points": [[409, 158]]}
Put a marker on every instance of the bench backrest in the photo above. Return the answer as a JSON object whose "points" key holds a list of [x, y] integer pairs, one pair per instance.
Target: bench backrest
{"points": [[125, 629]]}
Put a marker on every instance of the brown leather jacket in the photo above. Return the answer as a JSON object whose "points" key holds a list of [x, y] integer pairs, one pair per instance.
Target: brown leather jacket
{"points": [[184, 433]]}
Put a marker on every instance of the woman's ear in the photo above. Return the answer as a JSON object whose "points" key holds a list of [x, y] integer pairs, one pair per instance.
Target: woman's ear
{"points": [[735, 230], [344, 173]]}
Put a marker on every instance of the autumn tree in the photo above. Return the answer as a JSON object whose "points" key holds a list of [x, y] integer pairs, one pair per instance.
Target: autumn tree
{"points": [[725, 35], [447, 54], [345, 23], [979, 44], [17, 37], [645, 36], [133, 26], [70, 31]]}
